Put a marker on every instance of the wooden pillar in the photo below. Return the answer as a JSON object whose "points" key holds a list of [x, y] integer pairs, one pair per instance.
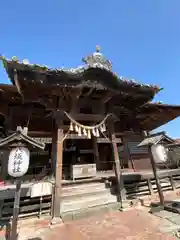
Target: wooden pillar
{"points": [[58, 160], [153, 164], [96, 152], [53, 150], [126, 151], [158, 184], [118, 171]]}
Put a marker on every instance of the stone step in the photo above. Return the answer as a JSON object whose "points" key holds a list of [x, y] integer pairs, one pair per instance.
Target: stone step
{"points": [[91, 211], [85, 202], [79, 194], [89, 185], [170, 228], [86, 198], [85, 190]]}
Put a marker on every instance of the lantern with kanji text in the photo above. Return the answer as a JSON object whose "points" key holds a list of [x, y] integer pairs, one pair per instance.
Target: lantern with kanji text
{"points": [[19, 144]]}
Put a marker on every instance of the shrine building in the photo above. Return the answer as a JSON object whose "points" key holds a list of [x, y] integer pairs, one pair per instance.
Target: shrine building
{"points": [[91, 121]]}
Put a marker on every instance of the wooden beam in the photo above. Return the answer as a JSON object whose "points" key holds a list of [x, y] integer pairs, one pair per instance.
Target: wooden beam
{"points": [[129, 133], [85, 117], [38, 133], [107, 140]]}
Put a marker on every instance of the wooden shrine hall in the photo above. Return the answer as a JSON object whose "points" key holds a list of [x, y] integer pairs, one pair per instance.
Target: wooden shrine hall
{"points": [[90, 119]]}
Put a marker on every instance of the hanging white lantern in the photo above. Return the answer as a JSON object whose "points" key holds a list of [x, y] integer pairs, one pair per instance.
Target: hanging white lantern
{"points": [[18, 162], [159, 153], [71, 127]]}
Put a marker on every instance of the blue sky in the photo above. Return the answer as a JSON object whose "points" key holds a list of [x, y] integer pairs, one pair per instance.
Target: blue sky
{"points": [[141, 38]]}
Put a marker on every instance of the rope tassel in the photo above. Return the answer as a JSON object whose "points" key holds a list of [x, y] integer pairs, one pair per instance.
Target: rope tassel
{"points": [[71, 127], [79, 132]]}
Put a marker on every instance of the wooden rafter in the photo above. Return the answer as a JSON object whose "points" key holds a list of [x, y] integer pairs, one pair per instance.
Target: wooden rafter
{"points": [[17, 84]]}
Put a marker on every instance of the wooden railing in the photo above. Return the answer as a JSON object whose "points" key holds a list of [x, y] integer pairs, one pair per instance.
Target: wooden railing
{"points": [[147, 186]]}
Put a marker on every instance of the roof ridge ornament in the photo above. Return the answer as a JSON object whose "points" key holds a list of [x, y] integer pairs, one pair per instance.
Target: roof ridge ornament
{"points": [[97, 60], [98, 49]]}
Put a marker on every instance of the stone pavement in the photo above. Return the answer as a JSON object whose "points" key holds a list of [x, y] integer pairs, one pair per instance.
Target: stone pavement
{"points": [[134, 224], [170, 222]]}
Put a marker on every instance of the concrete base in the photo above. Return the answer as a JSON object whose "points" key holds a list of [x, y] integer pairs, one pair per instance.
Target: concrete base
{"points": [[56, 221], [88, 212]]}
